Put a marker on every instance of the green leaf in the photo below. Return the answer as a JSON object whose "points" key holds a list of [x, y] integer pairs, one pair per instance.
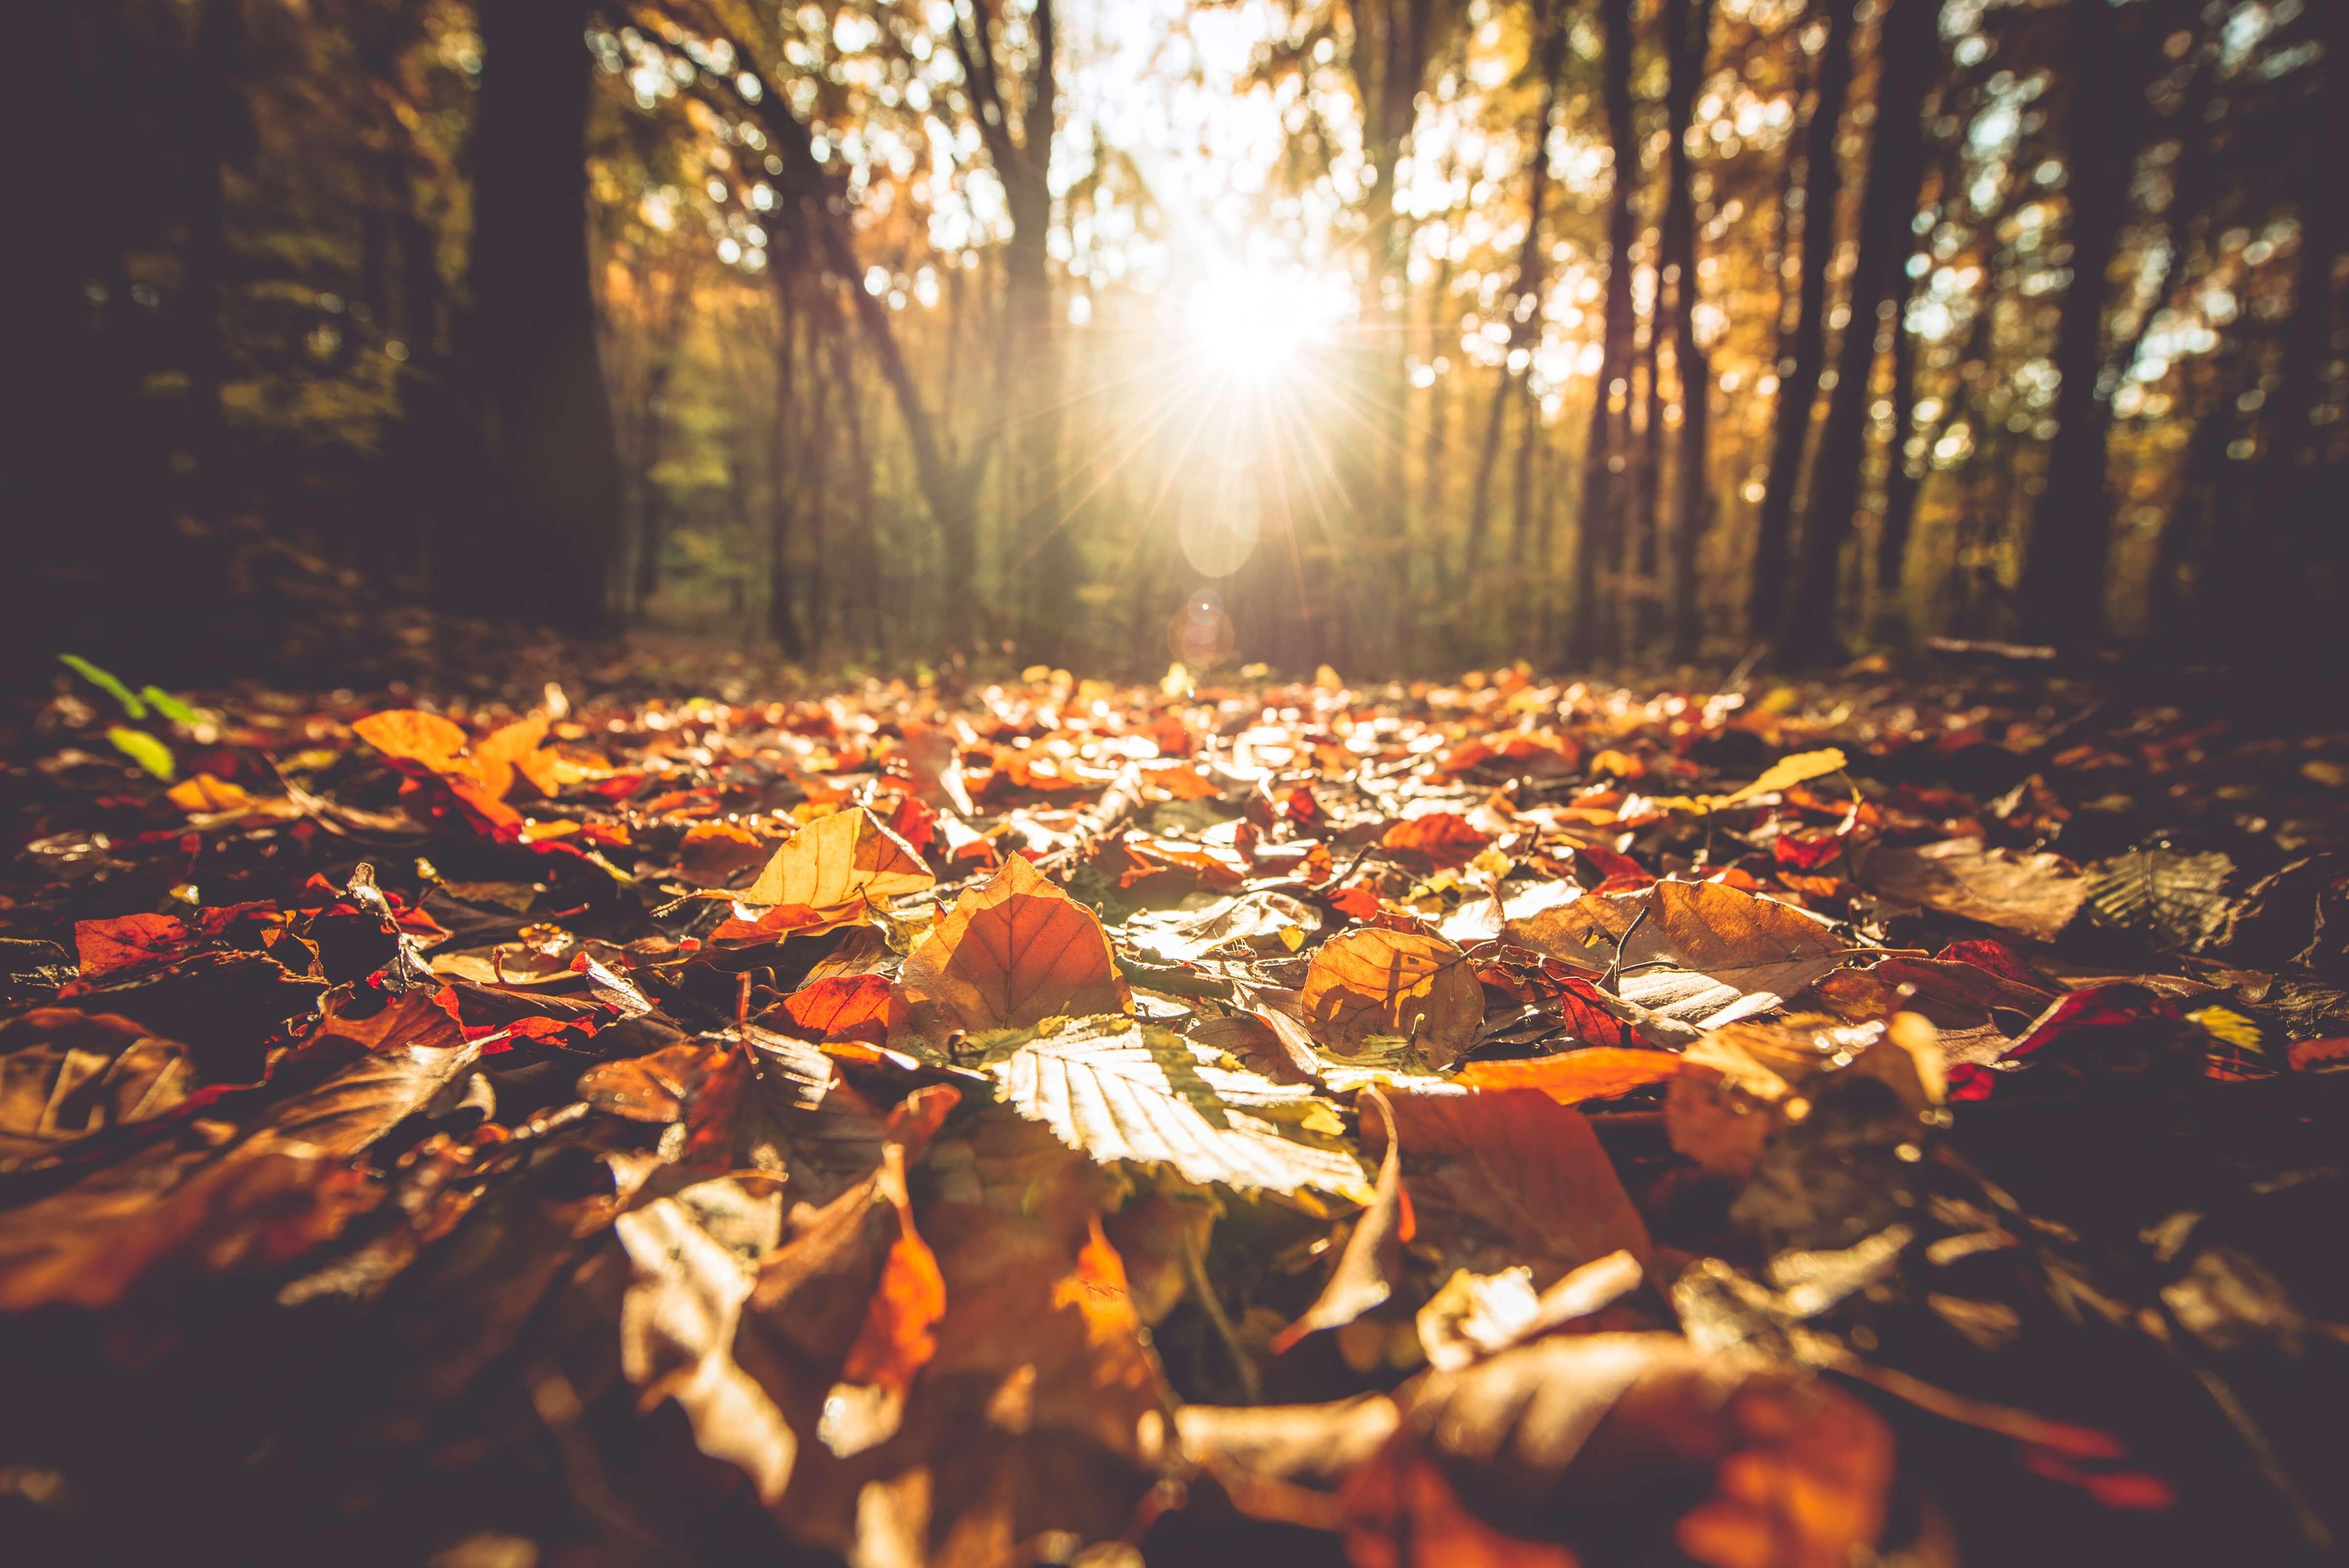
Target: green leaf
{"points": [[105, 682], [170, 707], [145, 750]]}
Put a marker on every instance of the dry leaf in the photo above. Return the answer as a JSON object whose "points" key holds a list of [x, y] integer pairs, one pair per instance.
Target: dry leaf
{"points": [[1508, 1176], [1704, 954], [2031, 895], [847, 857], [1408, 985], [1366, 1271], [412, 736], [1009, 955], [1594, 1073]]}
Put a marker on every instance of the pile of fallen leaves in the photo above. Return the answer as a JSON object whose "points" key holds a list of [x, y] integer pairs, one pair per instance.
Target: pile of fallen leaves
{"points": [[1502, 1123]]}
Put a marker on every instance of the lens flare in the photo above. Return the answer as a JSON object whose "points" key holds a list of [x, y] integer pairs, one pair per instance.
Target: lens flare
{"points": [[1199, 635], [1253, 325]]}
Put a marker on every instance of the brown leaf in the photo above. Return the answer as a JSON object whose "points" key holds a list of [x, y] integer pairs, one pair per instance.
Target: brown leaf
{"points": [[1009, 955], [1706, 954], [1510, 1177], [1609, 1432], [896, 1340], [1594, 1073], [1366, 1271], [2031, 895], [1410, 985], [847, 857], [66, 1076]]}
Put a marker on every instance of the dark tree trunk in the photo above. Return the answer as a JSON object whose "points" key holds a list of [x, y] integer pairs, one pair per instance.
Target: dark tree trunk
{"points": [[1799, 384], [1524, 300], [1909, 52], [1599, 546], [1900, 483], [222, 139], [2061, 596], [2283, 556], [1688, 32], [544, 518]]}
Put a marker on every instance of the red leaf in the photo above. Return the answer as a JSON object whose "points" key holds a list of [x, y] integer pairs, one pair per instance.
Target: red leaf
{"points": [[127, 942]]}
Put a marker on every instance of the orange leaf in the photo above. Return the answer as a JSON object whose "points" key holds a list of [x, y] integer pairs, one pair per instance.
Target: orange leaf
{"points": [[205, 792], [1010, 954], [896, 1342], [1411, 985], [790, 921], [1596, 1073], [1443, 837], [513, 749], [842, 1007], [404, 733], [1098, 1289]]}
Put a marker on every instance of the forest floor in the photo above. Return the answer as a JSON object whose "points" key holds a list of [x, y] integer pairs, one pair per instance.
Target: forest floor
{"points": [[624, 1119]]}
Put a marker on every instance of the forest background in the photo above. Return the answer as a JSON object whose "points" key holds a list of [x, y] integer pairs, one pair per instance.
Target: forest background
{"points": [[1392, 334]]}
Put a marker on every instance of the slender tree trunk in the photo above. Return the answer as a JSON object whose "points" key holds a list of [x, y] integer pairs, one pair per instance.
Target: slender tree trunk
{"points": [[1523, 301], [1434, 491], [652, 501], [782, 499], [1908, 54], [1598, 545], [545, 518], [1900, 482], [1799, 384], [2060, 599], [1688, 31]]}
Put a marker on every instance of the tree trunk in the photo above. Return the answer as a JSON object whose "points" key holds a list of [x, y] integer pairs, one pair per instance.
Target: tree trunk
{"points": [[545, 520], [2061, 596], [1909, 52], [1688, 31], [1799, 384], [1598, 544], [782, 500]]}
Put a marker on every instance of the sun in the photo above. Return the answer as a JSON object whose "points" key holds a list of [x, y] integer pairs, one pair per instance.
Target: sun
{"points": [[1253, 325]]}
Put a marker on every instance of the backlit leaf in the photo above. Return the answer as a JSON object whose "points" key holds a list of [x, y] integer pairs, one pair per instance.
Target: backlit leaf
{"points": [[1381, 983], [1124, 1091]]}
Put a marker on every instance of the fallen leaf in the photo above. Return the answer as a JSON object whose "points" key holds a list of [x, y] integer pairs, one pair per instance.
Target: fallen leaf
{"points": [[1125, 1091], [847, 857], [413, 736], [1009, 955], [1367, 1269], [2033, 895], [1407, 985], [1593, 1073], [2177, 899], [126, 941], [1704, 954], [842, 1007], [1509, 1176]]}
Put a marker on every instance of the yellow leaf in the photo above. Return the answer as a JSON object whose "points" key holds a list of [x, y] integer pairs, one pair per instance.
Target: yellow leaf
{"points": [[845, 857], [205, 792]]}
